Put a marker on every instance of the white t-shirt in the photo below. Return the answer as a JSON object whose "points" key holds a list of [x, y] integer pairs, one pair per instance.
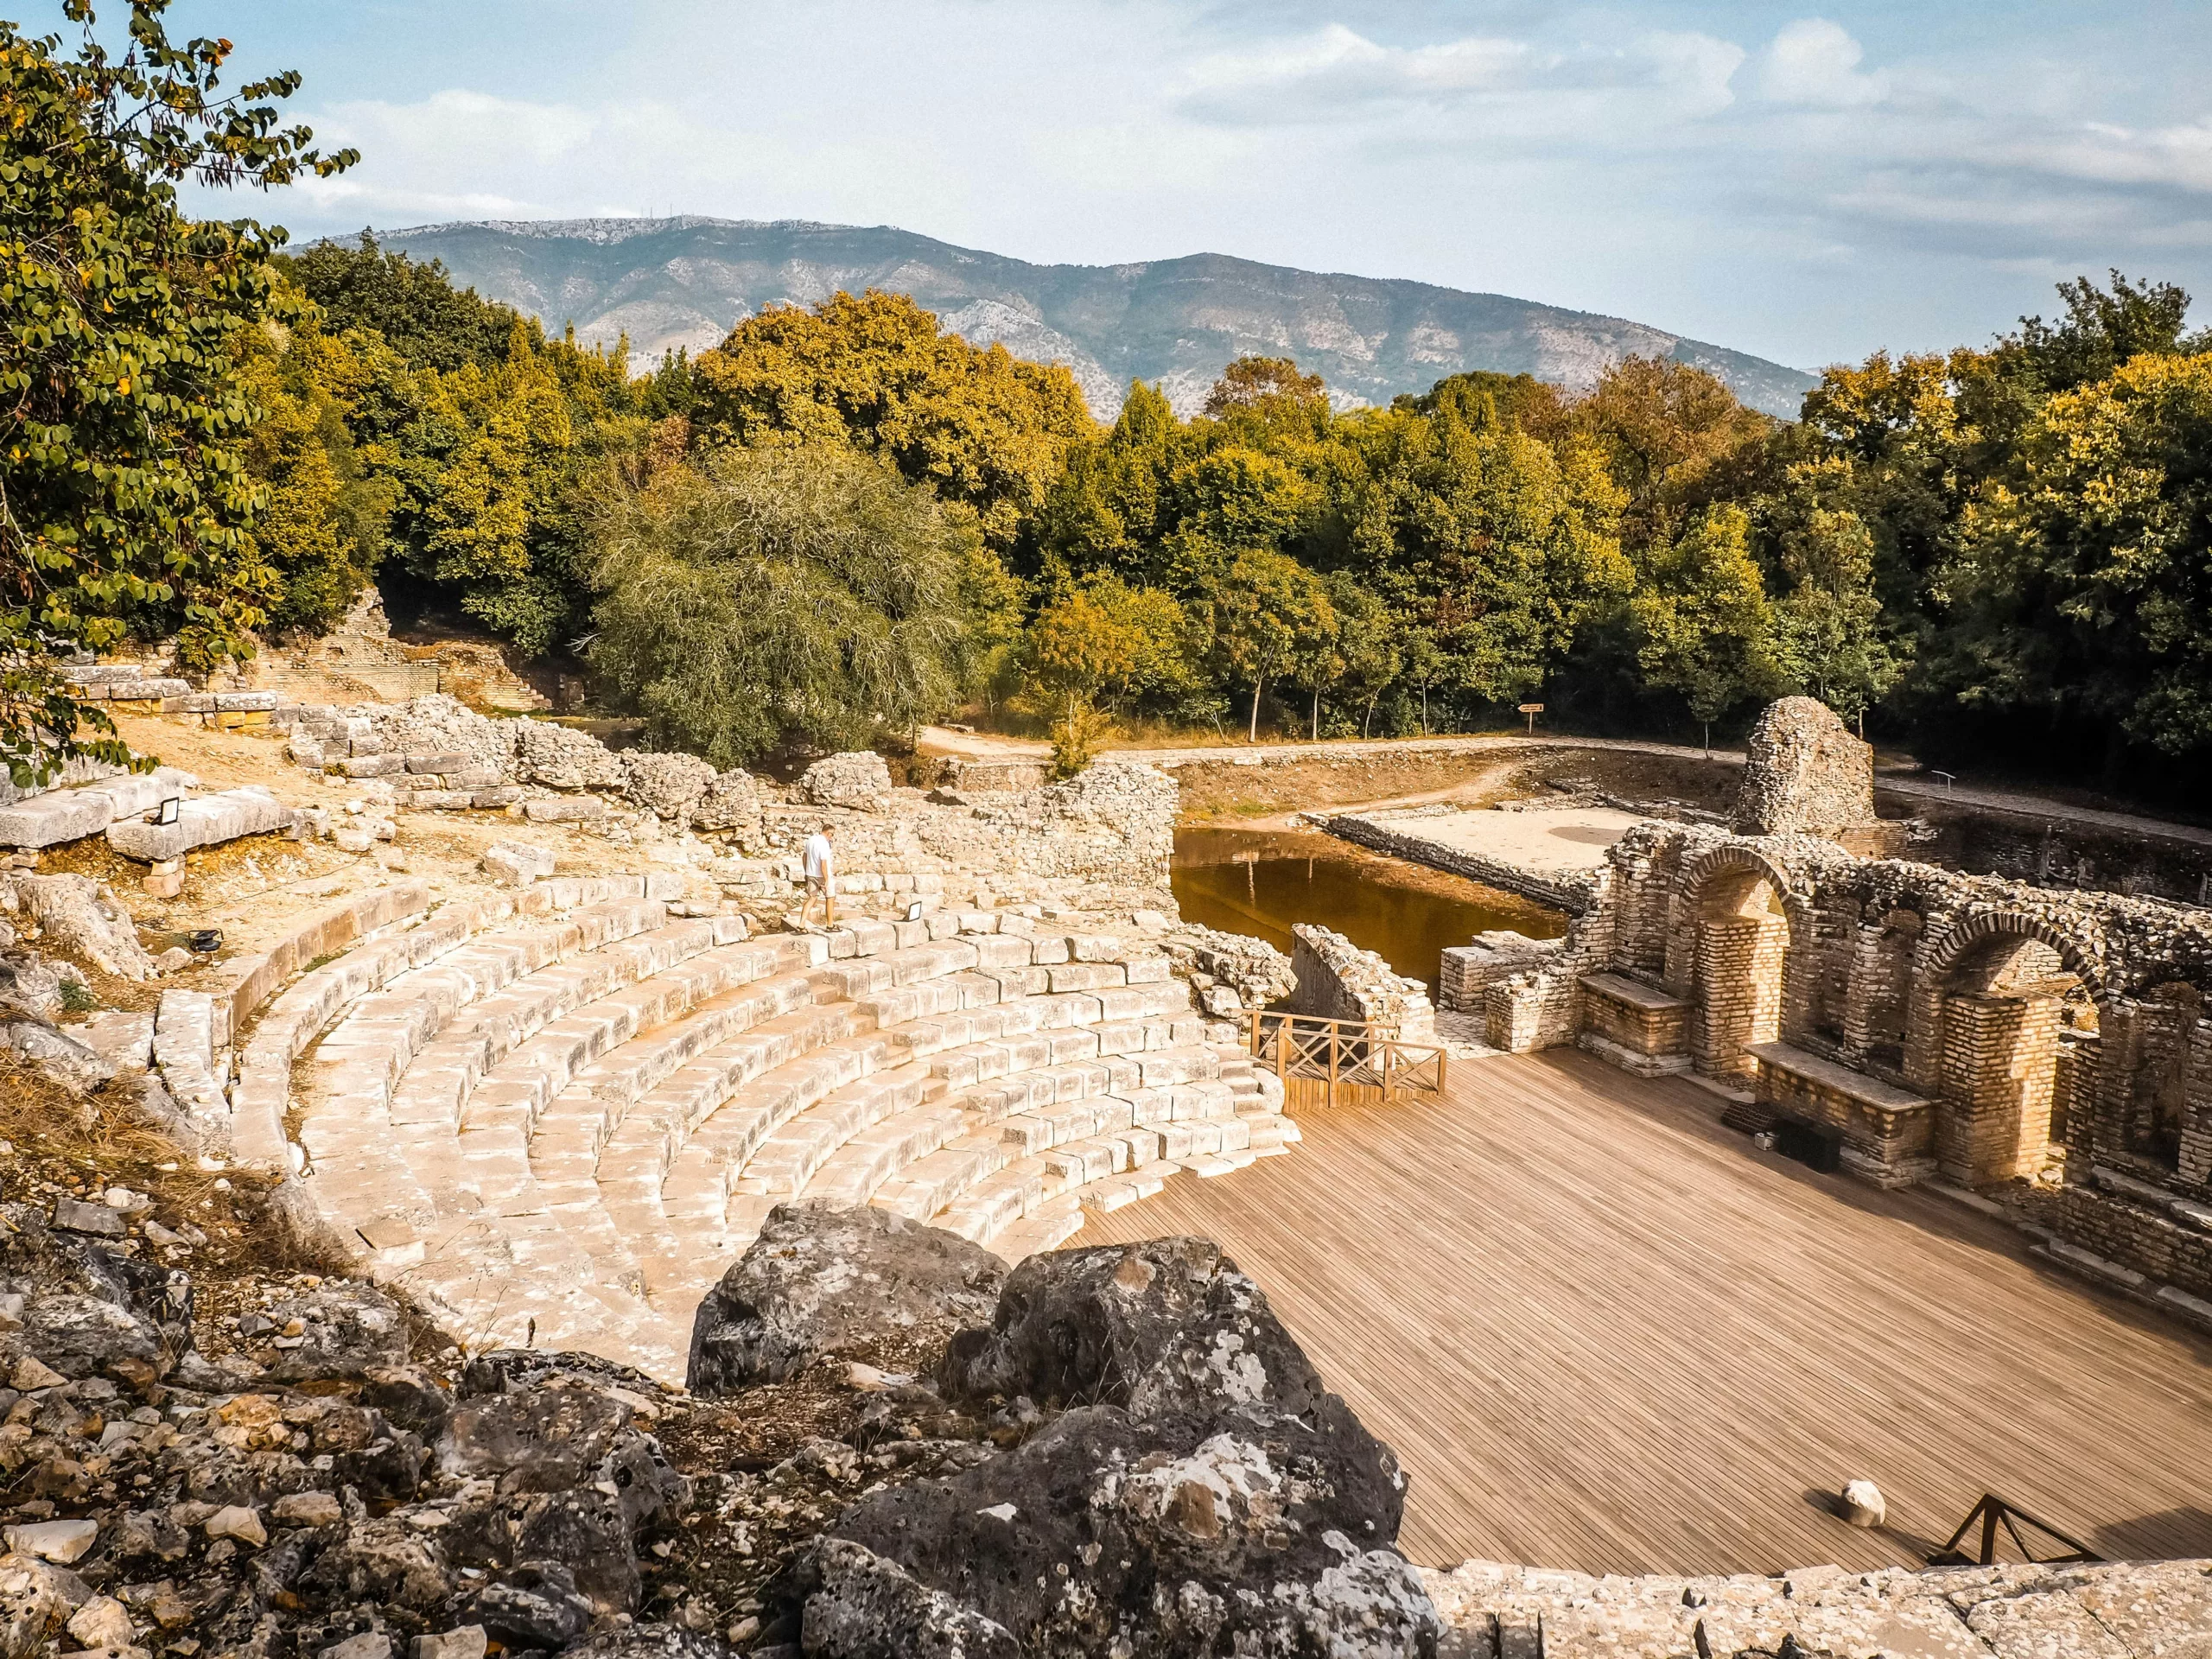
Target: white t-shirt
{"points": [[819, 858]]}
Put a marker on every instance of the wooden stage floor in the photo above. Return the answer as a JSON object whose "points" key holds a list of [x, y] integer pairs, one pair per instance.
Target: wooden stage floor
{"points": [[1603, 1333]]}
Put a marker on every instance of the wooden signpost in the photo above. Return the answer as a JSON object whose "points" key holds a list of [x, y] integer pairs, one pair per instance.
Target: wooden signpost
{"points": [[1532, 709]]}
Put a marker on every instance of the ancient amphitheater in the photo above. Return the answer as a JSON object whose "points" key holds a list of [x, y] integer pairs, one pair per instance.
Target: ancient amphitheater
{"points": [[1596, 1297], [559, 1119]]}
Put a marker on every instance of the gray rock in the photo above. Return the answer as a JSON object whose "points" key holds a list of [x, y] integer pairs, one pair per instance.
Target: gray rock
{"points": [[60, 1056], [1162, 1326], [1274, 1533], [829, 1283], [865, 1607], [534, 1604], [82, 916], [545, 1438], [348, 1330], [75, 1215], [410, 1397], [650, 1642], [31, 985], [859, 780], [82, 1336], [670, 785], [370, 1645]]}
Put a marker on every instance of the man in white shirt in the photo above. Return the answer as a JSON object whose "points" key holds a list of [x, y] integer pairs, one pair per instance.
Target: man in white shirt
{"points": [[820, 870]]}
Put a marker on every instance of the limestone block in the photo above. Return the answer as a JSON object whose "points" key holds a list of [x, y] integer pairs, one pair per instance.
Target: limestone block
{"points": [[360, 764], [63, 815], [204, 821], [560, 758], [565, 810], [516, 863], [451, 760], [670, 784]]}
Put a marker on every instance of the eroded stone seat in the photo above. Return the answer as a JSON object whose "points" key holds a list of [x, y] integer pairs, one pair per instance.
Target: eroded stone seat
{"points": [[579, 1119]]}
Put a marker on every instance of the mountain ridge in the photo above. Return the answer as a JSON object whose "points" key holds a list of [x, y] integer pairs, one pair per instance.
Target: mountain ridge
{"points": [[686, 281]]}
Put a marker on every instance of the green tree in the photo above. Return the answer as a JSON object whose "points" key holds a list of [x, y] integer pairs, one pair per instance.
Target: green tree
{"points": [[126, 494], [1369, 644], [1267, 611], [1827, 635], [1703, 618], [322, 528], [2087, 587], [414, 306], [980, 427], [800, 594]]}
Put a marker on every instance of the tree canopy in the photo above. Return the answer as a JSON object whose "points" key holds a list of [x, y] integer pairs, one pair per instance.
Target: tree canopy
{"points": [[127, 498]]}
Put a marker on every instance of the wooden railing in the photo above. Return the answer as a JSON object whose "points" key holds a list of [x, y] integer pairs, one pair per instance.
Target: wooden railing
{"points": [[1343, 1062]]}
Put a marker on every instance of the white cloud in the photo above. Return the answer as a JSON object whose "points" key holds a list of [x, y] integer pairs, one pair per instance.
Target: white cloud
{"points": [[1815, 61], [1312, 76]]}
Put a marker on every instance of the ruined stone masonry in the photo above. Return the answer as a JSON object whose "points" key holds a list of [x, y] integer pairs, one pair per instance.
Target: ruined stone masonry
{"points": [[1963, 1028]]}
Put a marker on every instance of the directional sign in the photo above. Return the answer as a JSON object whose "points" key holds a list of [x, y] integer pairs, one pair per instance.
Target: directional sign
{"points": [[1531, 709]]}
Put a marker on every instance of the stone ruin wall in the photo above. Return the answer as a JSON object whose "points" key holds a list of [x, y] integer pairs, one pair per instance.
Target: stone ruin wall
{"points": [[1337, 980], [1943, 1024]]}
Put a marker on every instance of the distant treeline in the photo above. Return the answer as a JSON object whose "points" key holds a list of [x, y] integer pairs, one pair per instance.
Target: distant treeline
{"points": [[2003, 553]]}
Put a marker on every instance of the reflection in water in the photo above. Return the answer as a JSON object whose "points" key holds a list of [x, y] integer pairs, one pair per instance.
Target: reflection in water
{"points": [[1260, 882]]}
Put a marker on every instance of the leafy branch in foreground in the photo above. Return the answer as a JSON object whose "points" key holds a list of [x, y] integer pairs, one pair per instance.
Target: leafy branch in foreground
{"points": [[124, 496]]}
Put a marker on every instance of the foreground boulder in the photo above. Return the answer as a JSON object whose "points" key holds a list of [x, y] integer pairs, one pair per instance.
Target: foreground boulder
{"points": [[862, 1284], [1205, 1494]]}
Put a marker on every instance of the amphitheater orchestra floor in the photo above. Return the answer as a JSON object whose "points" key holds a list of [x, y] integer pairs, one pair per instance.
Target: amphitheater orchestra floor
{"points": [[1603, 1333]]}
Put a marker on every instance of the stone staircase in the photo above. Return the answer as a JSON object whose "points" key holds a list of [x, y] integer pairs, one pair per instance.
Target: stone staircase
{"points": [[562, 1128]]}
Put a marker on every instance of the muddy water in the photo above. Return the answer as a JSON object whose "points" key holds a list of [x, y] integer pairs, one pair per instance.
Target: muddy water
{"points": [[1260, 881]]}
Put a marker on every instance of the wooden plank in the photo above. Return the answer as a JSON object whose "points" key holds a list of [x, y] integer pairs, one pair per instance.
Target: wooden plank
{"points": [[1603, 1333]]}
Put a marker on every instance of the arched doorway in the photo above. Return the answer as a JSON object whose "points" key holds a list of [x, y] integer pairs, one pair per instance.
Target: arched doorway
{"points": [[1742, 944], [2016, 1039]]}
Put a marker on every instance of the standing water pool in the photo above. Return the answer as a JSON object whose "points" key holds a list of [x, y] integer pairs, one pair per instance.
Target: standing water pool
{"points": [[1260, 881]]}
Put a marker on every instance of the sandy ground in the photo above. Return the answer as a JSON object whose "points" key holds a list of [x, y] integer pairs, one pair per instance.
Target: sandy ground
{"points": [[1546, 841]]}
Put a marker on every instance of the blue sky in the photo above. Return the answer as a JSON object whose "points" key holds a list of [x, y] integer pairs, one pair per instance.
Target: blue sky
{"points": [[1808, 184]]}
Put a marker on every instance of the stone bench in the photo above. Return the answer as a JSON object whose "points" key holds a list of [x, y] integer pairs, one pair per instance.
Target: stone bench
{"points": [[203, 820], [1637, 1028], [1888, 1132], [64, 815]]}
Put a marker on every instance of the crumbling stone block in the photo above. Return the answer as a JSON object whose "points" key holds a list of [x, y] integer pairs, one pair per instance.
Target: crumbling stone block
{"points": [[859, 780], [516, 863], [1804, 774]]}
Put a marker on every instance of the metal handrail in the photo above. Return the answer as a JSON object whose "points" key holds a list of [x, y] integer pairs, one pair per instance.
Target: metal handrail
{"points": [[1992, 1511]]}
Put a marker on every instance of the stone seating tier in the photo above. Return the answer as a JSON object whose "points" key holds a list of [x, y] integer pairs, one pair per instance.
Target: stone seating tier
{"points": [[563, 1129]]}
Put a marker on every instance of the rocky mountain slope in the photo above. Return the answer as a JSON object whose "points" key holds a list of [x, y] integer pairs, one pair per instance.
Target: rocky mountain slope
{"points": [[686, 281]]}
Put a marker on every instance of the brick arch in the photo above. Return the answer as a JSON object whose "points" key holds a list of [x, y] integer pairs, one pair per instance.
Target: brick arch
{"points": [[1985, 1130], [1749, 1007], [1983, 925]]}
